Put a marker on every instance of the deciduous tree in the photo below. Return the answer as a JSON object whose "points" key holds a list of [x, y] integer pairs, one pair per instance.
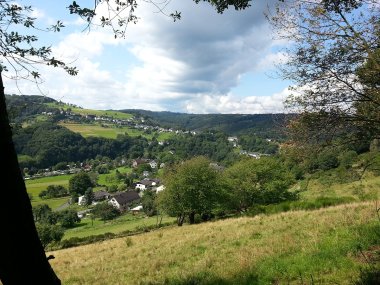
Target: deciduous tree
{"points": [[333, 60], [261, 181], [192, 187]]}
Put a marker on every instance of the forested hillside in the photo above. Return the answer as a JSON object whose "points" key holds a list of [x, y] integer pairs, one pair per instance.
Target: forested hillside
{"points": [[47, 132], [264, 125]]}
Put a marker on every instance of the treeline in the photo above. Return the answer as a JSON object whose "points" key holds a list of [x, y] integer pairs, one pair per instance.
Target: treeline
{"points": [[263, 125]]}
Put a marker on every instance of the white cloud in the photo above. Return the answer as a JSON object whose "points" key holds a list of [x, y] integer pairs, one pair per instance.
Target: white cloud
{"points": [[231, 104], [187, 66]]}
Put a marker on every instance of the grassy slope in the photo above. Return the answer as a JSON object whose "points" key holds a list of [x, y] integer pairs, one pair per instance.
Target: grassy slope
{"points": [[87, 130], [278, 249], [126, 222], [114, 114]]}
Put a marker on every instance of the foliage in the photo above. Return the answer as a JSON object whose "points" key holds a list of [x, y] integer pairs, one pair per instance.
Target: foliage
{"points": [[251, 142], [43, 214], [257, 182], [262, 125], [192, 187], [79, 184], [105, 211], [148, 203], [54, 191], [333, 60], [68, 218], [49, 233], [20, 51], [88, 196]]}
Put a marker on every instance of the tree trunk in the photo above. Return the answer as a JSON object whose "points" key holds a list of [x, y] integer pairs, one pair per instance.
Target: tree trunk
{"points": [[180, 220], [192, 218], [22, 257]]}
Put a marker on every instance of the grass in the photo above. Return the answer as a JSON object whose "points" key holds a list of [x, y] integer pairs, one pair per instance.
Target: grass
{"points": [[364, 189], [114, 114], [109, 179], [35, 186], [287, 248], [111, 131], [127, 222]]}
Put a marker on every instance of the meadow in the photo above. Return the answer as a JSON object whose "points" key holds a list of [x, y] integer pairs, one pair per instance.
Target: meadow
{"points": [[110, 131], [127, 222], [324, 246], [35, 186], [104, 113]]}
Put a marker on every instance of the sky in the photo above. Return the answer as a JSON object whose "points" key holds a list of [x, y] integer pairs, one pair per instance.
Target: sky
{"points": [[204, 63]]}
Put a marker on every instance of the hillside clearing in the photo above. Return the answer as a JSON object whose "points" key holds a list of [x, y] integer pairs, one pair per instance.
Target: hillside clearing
{"points": [[280, 248]]}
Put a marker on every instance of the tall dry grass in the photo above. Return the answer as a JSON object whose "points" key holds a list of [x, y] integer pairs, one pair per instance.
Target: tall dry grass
{"points": [[281, 248]]}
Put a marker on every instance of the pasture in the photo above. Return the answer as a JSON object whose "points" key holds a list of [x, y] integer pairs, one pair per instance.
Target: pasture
{"points": [[104, 113], [35, 186], [126, 222], [301, 247], [110, 131]]}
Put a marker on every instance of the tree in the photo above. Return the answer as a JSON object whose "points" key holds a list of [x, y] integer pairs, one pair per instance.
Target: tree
{"points": [[192, 187], [89, 196], [79, 183], [253, 182], [105, 211], [68, 218], [53, 191], [23, 257], [44, 214], [148, 203], [49, 233], [333, 60]]}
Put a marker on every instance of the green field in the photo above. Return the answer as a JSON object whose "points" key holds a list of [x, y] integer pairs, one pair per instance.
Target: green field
{"points": [[111, 131], [108, 179], [107, 113], [35, 186], [123, 223]]}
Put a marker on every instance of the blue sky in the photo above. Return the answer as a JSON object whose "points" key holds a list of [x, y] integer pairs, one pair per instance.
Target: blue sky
{"points": [[204, 63]]}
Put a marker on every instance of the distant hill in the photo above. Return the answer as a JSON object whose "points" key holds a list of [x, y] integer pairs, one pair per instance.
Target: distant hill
{"points": [[264, 125], [26, 107]]}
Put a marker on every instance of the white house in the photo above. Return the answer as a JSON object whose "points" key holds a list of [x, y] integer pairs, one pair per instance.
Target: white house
{"points": [[122, 200], [153, 164], [160, 188]]}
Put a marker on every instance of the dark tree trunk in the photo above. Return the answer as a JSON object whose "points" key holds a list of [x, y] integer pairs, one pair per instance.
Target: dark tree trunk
{"points": [[192, 218], [22, 257]]}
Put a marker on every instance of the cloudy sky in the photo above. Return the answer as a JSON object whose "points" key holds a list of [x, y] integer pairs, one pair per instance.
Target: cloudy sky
{"points": [[204, 63]]}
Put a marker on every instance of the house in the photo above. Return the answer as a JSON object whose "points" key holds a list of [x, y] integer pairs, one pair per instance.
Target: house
{"points": [[101, 195], [137, 162], [98, 196], [122, 200], [147, 183], [82, 214], [153, 164], [136, 209], [160, 188]]}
